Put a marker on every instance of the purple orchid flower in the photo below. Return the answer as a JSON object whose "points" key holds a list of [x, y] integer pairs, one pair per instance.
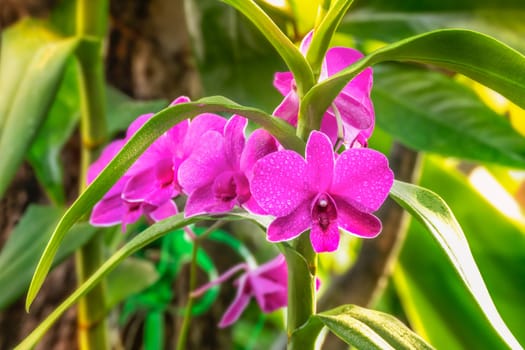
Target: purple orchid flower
{"points": [[322, 193], [216, 176], [353, 103], [266, 283]]}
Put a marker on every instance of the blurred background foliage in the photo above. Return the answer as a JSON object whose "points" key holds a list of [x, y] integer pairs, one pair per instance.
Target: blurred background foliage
{"points": [[469, 142]]}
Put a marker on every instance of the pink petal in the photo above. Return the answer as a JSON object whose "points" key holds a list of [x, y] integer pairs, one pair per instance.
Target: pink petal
{"points": [[289, 108], [362, 177], [137, 124], [222, 278], [164, 211], [234, 140], [108, 212], [107, 155], [180, 99], [283, 81], [290, 226], [356, 222], [305, 43], [329, 128], [252, 206], [320, 162], [278, 182], [238, 305], [260, 143], [205, 163], [203, 201], [265, 290], [200, 125], [326, 240]]}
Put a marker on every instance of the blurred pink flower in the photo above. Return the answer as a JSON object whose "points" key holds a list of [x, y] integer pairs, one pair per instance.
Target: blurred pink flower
{"points": [[353, 102], [266, 283], [322, 193]]}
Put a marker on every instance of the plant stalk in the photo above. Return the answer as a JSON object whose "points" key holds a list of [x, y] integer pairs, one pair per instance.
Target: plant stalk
{"points": [[91, 20], [302, 266]]}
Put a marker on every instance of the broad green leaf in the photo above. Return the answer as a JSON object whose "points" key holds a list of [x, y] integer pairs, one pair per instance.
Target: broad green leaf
{"points": [[369, 23], [437, 217], [324, 33], [475, 55], [26, 243], [20, 43], [286, 49], [151, 130], [131, 276], [44, 153], [232, 56], [369, 329], [149, 235], [431, 112], [28, 107], [121, 109], [437, 304]]}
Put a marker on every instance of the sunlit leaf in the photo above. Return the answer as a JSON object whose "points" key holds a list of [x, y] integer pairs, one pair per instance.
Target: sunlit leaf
{"points": [[445, 311], [431, 112], [475, 55], [437, 217]]}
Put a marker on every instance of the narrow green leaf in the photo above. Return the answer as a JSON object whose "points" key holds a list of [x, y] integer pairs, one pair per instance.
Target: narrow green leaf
{"points": [[131, 276], [26, 243], [475, 55], [289, 53], [431, 112], [149, 235], [38, 86], [437, 217], [324, 32], [370, 329], [157, 125]]}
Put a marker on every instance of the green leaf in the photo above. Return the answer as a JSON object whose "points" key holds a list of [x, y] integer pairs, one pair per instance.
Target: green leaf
{"points": [[431, 112], [366, 23], [286, 49], [475, 55], [369, 329], [151, 130], [131, 276], [26, 243], [324, 33], [144, 238], [446, 312], [44, 153], [29, 89], [437, 217], [121, 109]]}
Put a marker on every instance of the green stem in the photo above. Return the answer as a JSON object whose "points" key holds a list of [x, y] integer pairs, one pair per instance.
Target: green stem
{"points": [[183, 334], [302, 267], [91, 24]]}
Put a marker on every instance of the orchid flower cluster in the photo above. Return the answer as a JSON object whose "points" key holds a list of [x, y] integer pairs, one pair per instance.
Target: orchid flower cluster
{"points": [[210, 160]]}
